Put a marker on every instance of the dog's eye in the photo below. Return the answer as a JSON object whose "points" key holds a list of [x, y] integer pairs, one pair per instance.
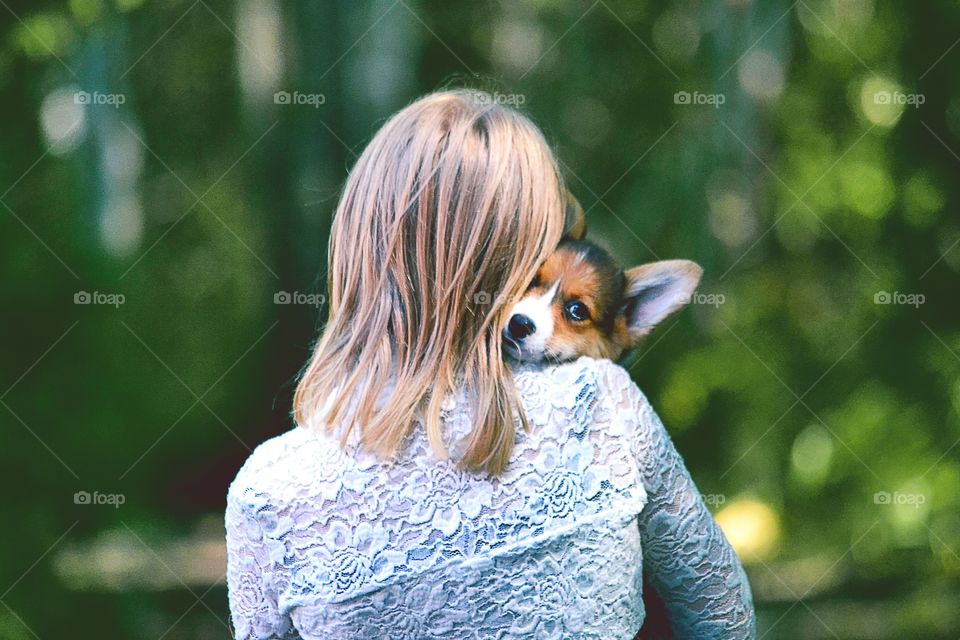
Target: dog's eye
{"points": [[535, 282], [577, 311]]}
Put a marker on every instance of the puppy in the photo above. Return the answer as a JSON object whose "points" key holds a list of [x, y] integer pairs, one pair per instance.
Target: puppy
{"points": [[583, 303]]}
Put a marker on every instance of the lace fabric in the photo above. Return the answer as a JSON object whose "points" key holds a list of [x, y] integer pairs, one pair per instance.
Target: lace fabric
{"points": [[325, 542]]}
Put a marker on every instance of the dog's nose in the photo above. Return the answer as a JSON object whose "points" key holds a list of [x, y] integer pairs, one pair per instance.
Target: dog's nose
{"points": [[520, 326]]}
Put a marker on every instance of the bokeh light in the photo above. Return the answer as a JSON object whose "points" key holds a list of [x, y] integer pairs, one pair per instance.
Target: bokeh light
{"points": [[63, 120], [752, 528]]}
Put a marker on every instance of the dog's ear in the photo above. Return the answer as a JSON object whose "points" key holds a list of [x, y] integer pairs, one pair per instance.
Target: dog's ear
{"points": [[655, 291], [575, 223]]}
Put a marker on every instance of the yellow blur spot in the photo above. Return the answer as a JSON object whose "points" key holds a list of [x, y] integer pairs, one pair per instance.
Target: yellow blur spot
{"points": [[684, 399], [923, 200], [44, 34], [751, 527], [811, 454], [868, 189], [128, 5], [86, 11], [882, 101]]}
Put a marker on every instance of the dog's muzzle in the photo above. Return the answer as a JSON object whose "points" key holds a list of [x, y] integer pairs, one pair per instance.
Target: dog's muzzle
{"points": [[519, 327]]}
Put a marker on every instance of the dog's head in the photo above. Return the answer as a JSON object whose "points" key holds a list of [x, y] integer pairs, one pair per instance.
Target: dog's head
{"points": [[582, 303]]}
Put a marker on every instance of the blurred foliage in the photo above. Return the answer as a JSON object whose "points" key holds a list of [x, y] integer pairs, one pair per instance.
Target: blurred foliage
{"points": [[805, 154]]}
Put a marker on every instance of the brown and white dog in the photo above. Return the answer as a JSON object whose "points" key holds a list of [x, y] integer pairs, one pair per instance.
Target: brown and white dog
{"points": [[583, 303]]}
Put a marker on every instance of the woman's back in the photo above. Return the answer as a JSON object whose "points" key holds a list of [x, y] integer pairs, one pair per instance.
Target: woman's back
{"points": [[327, 543]]}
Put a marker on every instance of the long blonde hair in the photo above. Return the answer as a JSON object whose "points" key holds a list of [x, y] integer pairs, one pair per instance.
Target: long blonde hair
{"points": [[444, 219]]}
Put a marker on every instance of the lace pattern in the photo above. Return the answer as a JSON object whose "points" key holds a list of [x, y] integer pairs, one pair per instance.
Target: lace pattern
{"points": [[330, 543]]}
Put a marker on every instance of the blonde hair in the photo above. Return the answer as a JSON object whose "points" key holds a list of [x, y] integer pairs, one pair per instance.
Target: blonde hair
{"points": [[443, 220]]}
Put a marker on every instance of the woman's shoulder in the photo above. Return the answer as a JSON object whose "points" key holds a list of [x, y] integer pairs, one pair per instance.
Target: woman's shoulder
{"points": [[576, 379], [586, 395], [274, 464]]}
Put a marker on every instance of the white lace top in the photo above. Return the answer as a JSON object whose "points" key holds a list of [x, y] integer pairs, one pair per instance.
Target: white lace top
{"points": [[325, 543]]}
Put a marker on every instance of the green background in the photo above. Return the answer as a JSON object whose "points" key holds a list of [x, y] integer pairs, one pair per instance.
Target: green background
{"points": [[812, 388]]}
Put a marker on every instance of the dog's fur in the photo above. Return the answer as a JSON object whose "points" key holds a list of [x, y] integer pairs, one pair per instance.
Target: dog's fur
{"points": [[582, 302], [619, 309]]}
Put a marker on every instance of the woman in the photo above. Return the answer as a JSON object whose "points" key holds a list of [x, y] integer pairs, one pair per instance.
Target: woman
{"points": [[428, 491]]}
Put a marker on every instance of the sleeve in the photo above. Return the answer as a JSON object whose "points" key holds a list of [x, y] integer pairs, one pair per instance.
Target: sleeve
{"points": [[251, 573], [687, 559]]}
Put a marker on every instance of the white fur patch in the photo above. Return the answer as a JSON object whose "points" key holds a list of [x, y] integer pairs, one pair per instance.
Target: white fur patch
{"points": [[539, 310]]}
